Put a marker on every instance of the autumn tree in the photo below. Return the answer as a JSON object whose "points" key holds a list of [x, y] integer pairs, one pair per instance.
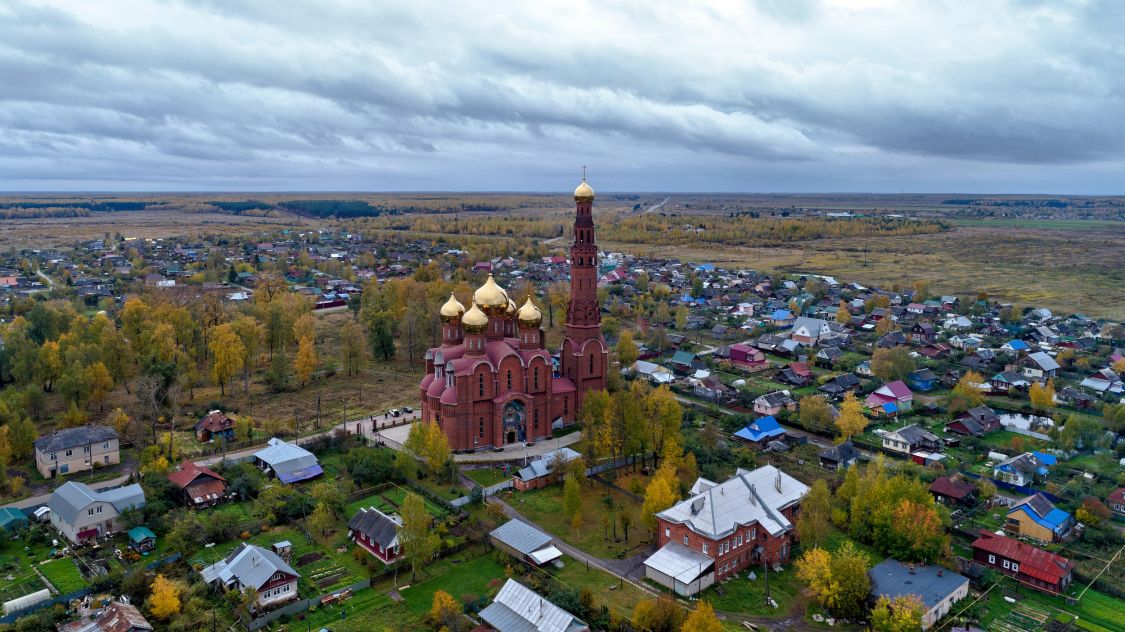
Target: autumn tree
{"points": [[5, 453], [702, 619], [814, 523], [814, 413], [838, 580], [320, 521], [627, 351], [419, 542], [21, 437], [164, 601], [884, 326], [892, 364], [251, 333], [851, 420], [1042, 395], [901, 614], [662, 614], [445, 613], [305, 362], [662, 493], [428, 442], [966, 394], [353, 347], [228, 355], [843, 314], [304, 327], [572, 500], [100, 383]]}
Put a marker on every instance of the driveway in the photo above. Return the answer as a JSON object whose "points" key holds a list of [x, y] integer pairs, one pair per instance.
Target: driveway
{"points": [[395, 437]]}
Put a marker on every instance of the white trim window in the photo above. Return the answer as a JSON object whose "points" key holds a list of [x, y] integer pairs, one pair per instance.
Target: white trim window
{"points": [[991, 559]]}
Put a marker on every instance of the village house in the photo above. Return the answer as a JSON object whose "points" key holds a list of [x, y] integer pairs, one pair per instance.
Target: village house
{"points": [[953, 491], [1038, 366], [911, 438], [746, 357], [376, 533], [725, 528], [1019, 470], [839, 385], [251, 566], [773, 403], [71, 450], [810, 331], [1116, 502], [712, 388], [890, 399], [199, 486], [922, 380], [1037, 518], [115, 617], [544, 469], [1008, 381], [760, 431], [216, 425], [1030, 565], [937, 588], [840, 456], [83, 515], [289, 462], [517, 608], [652, 372], [922, 333], [977, 421], [795, 374]]}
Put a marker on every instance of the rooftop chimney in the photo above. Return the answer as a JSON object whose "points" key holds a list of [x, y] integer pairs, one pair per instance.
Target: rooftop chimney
{"points": [[911, 568], [777, 482]]}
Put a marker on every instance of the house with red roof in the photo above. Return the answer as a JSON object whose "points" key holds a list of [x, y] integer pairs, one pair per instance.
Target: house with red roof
{"points": [[890, 399], [1116, 501], [215, 425], [747, 357], [199, 485], [1030, 565]]}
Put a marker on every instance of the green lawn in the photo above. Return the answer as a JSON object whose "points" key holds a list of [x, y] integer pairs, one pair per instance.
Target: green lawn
{"points": [[487, 476], [544, 507], [374, 500], [621, 597], [748, 596], [472, 573], [366, 610], [22, 585], [63, 574]]}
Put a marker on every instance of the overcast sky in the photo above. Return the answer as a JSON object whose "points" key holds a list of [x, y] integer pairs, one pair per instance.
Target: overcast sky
{"points": [[773, 95]]}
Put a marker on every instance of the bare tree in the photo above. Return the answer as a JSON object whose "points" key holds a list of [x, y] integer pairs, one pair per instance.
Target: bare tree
{"points": [[150, 394]]}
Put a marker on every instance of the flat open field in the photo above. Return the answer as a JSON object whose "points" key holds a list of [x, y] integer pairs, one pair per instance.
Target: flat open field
{"points": [[1073, 267], [54, 232]]}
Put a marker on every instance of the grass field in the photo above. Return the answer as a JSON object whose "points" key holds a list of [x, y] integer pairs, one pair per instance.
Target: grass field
{"points": [[63, 575], [544, 507], [621, 597], [470, 574], [486, 476]]}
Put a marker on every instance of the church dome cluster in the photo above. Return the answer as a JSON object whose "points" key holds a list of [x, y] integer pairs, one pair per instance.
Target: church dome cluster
{"points": [[489, 301]]}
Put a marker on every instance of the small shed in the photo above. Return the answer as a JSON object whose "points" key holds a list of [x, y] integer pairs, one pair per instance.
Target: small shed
{"points": [[284, 549], [524, 542], [142, 539]]}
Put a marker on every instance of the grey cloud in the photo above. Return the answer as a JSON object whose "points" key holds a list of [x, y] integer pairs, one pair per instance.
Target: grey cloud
{"points": [[741, 96]]}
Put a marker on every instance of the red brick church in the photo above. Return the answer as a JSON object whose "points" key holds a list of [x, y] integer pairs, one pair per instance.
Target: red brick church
{"points": [[491, 382]]}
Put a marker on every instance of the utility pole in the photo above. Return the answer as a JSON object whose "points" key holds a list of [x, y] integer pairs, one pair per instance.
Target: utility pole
{"points": [[318, 412]]}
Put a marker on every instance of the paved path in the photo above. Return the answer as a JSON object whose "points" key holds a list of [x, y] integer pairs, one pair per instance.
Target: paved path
{"points": [[395, 437]]}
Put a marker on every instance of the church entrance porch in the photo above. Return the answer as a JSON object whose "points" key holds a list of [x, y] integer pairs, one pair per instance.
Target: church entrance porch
{"points": [[514, 417]]}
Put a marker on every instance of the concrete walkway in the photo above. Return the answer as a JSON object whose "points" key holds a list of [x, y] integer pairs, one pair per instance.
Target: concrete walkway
{"points": [[396, 437]]}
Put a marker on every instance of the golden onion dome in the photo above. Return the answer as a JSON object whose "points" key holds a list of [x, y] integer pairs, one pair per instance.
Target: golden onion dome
{"points": [[511, 310], [529, 315], [491, 298], [584, 192], [474, 321], [452, 310]]}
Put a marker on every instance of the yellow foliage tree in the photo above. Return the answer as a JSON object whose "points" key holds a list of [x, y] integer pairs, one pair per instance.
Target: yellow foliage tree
{"points": [[164, 601], [445, 612], [229, 355], [1042, 396], [851, 420], [305, 362], [702, 619], [662, 492], [843, 315]]}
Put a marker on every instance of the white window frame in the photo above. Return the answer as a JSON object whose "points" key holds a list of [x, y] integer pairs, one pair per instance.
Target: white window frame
{"points": [[991, 559]]}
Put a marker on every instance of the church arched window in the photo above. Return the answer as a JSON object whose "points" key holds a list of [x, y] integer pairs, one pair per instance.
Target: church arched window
{"points": [[591, 364], [480, 382], [509, 379], [536, 378]]}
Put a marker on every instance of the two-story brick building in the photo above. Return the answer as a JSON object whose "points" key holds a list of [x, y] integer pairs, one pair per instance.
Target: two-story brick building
{"points": [[73, 450], [726, 527]]}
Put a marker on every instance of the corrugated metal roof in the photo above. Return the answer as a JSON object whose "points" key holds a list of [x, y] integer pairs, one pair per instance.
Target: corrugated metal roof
{"points": [[517, 608], [521, 536], [744, 499], [679, 562]]}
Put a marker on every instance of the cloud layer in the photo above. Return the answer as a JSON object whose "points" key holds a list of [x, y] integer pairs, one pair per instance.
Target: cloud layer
{"points": [[774, 95]]}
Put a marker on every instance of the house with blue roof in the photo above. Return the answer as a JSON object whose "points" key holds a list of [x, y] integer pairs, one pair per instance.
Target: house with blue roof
{"points": [[1014, 346], [782, 318], [1037, 518], [761, 431]]}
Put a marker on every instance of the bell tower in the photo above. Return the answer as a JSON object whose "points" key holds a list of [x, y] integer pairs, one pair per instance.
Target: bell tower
{"points": [[584, 357]]}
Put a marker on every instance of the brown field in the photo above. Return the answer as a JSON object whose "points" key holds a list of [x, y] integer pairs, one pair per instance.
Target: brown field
{"points": [[67, 231]]}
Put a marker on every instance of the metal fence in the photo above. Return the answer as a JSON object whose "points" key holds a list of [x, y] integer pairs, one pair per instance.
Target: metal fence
{"points": [[299, 606]]}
